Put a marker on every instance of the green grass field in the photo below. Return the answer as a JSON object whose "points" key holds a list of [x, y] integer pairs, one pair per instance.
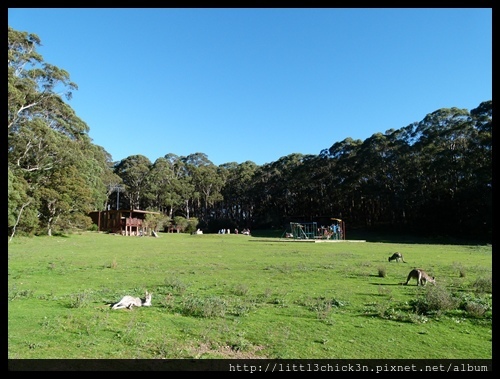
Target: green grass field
{"points": [[235, 296]]}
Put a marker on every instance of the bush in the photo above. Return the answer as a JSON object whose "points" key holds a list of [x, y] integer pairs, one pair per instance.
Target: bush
{"points": [[205, 307], [73, 221], [156, 221], [80, 300], [186, 225], [462, 272], [382, 272], [475, 306], [483, 285], [175, 284], [436, 299], [192, 225]]}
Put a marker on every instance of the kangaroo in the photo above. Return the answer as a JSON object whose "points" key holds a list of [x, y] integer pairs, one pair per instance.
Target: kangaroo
{"points": [[130, 301], [421, 276], [398, 257]]}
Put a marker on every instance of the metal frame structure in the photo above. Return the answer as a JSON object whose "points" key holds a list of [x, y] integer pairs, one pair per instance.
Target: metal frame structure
{"points": [[310, 230]]}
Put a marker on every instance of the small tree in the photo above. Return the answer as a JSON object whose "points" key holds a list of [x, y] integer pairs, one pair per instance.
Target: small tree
{"points": [[192, 225], [181, 223], [156, 221]]}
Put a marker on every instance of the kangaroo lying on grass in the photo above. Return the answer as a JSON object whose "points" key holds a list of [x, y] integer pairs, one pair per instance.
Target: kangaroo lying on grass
{"points": [[397, 257], [130, 301], [421, 276]]}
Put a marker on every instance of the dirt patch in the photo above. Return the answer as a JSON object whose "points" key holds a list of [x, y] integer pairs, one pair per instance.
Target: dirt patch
{"points": [[227, 352]]}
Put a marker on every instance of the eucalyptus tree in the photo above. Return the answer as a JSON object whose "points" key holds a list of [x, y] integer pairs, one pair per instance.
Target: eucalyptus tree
{"points": [[246, 172], [481, 143], [278, 191], [480, 157], [182, 190], [166, 184], [324, 174], [44, 135], [436, 169], [100, 176], [134, 171], [401, 162], [22, 209], [227, 207], [262, 196], [310, 180], [158, 182], [381, 185], [469, 155], [442, 145], [238, 204], [346, 178], [65, 194], [32, 85], [208, 181]]}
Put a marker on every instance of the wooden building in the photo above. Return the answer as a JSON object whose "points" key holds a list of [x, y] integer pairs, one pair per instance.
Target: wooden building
{"points": [[125, 222]]}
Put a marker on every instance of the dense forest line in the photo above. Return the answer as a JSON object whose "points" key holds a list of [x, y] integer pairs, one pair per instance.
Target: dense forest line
{"points": [[432, 177]]}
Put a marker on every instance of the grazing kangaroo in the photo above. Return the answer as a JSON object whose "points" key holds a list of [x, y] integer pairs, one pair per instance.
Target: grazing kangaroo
{"points": [[130, 301], [397, 257], [421, 276]]}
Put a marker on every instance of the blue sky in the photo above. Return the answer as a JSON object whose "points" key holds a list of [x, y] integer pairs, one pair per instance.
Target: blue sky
{"points": [[259, 84]]}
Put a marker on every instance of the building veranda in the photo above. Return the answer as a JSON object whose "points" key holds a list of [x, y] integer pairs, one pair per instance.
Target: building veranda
{"points": [[126, 222]]}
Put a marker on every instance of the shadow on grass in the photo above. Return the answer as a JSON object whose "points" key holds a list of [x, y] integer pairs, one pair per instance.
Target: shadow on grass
{"points": [[388, 237]]}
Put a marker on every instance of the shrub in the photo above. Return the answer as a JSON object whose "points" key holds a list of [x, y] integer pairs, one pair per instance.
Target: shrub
{"points": [[243, 308], [192, 225], [323, 309], [382, 272], [475, 309], [155, 221], [461, 269], [205, 307], [175, 284], [15, 293], [240, 289], [436, 299], [80, 300], [475, 306], [483, 285]]}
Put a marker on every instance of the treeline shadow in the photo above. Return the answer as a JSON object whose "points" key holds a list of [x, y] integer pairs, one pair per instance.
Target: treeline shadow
{"points": [[388, 236]]}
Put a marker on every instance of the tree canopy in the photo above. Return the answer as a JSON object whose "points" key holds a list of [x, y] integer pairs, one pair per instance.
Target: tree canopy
{"points": [[433, 176], [56, 174]]}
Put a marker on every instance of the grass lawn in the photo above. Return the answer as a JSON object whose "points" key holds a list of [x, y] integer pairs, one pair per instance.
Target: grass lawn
{"points": [[235, 296]]}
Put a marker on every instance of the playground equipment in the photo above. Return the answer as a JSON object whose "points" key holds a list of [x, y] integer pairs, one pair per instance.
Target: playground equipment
{"points": [[303, 230], [310, 230]]}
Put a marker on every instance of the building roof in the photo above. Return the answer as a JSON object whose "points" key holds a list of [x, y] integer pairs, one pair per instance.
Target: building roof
{"points": [[129, 210]]}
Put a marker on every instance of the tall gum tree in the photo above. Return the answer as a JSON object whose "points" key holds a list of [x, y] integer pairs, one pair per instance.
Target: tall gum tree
{"points": [[46, 140]]}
